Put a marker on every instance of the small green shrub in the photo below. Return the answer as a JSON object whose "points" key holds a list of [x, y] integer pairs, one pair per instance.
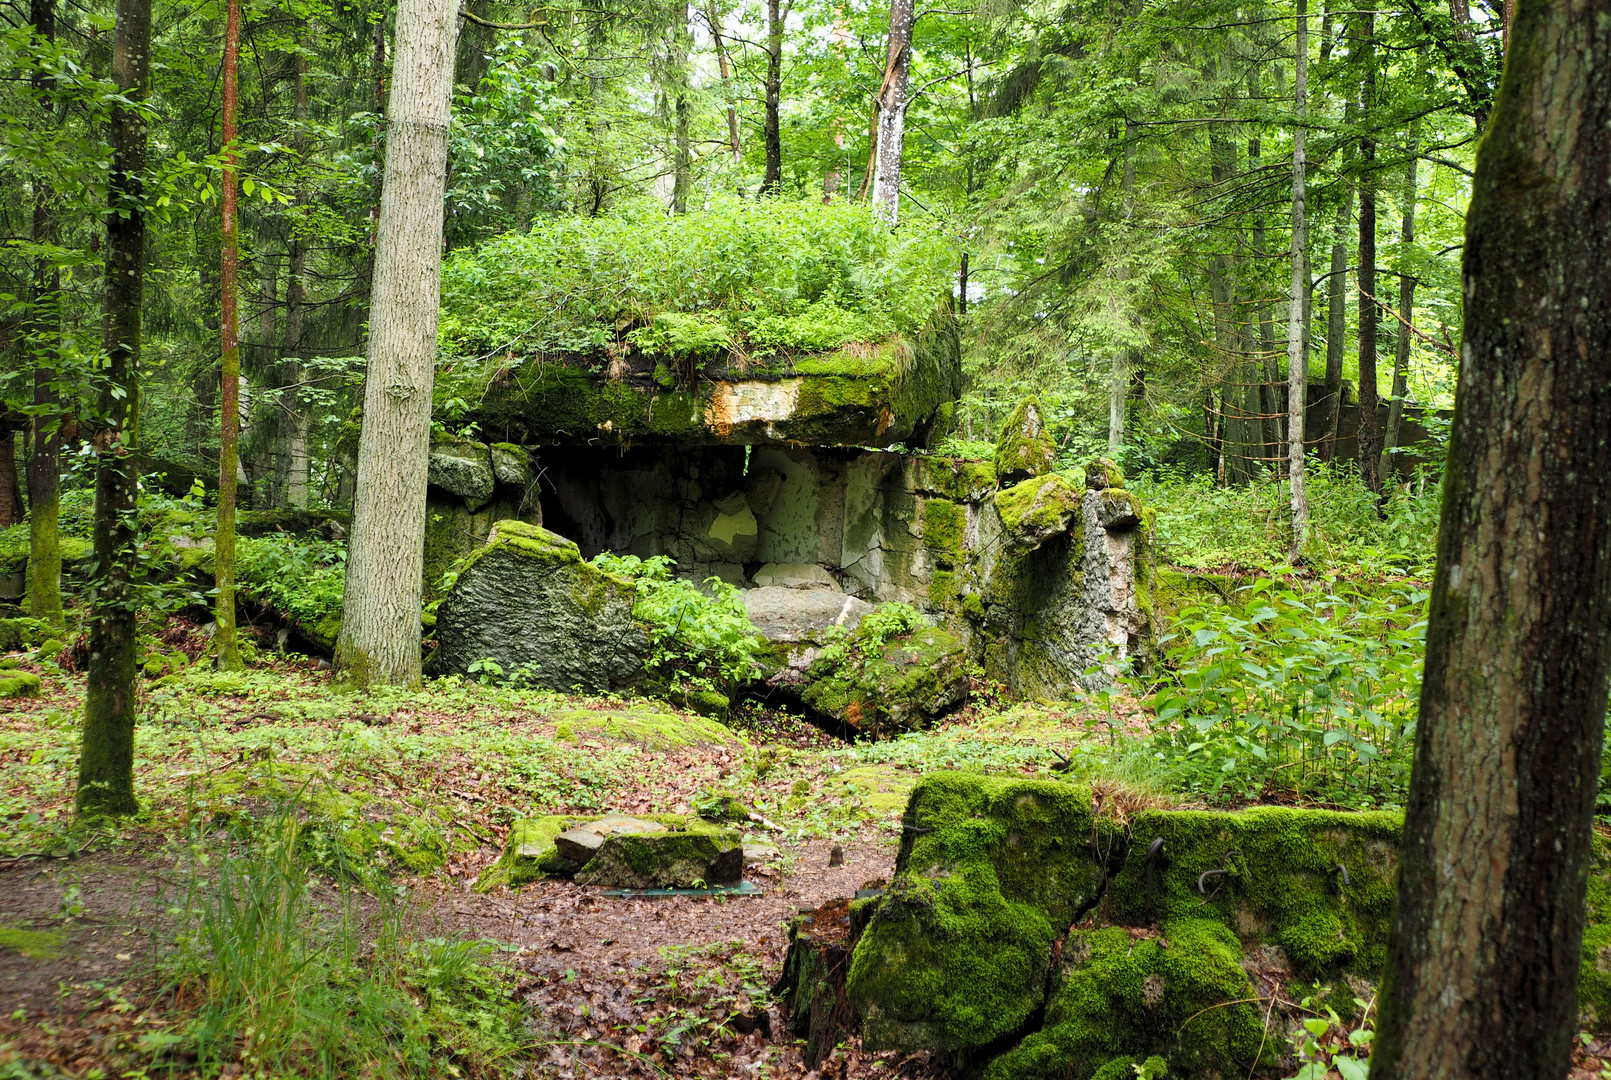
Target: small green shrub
{"points": [[300, 579], [1282, 691], [698, 636]]}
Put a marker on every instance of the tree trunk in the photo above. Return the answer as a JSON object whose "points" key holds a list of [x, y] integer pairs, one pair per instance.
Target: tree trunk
{"points": [[1485, 950], [1297, 347], [1336, 318], [293, 407], [1406, 319], [44, 332], [380, 625], [1370, 421], [772, 181], [892, 104], [12, 510], [106, 756], [713, 16], [229, 657]]}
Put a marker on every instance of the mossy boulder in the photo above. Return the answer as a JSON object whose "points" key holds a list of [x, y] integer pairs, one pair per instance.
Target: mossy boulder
{"points": [[689, 851], [1025, 448], [528, 601], [1034, 511], [1104, 474], [18, 684], [23, 633], [884, 686], [990, 874], [464, 468], [1180, 992]]}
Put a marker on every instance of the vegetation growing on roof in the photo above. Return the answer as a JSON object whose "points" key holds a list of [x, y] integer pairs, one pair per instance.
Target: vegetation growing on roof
{"points": [[757, 276]]}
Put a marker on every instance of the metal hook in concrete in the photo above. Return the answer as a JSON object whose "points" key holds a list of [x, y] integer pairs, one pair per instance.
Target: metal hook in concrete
{"points": [[1202, 879]]}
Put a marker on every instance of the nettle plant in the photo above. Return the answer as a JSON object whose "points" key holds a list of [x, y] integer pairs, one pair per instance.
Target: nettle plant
{"points": [[1284, 692], [700, 636]]}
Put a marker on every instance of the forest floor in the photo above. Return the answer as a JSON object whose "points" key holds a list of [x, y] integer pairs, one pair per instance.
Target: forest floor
{"points": [[613, 987], [92, 920]]}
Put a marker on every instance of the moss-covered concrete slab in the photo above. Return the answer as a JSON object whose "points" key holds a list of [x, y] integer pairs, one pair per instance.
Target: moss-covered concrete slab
{"points": [[644, 725], [887, 686], [527, 601], [688, 852]]}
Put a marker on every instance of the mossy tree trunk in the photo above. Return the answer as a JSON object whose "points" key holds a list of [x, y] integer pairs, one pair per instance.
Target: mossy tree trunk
{"points": [[1370, 424], [1483, 966], [771, 129], [380, 624], [44, 335], [229, 439], [106, 757]]}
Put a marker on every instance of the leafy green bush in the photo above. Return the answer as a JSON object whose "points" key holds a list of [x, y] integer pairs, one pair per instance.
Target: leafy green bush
{"points": [[760, 275], [1202, 525], [1290, 693], [702, 637], [876, 629], [300, 579]]}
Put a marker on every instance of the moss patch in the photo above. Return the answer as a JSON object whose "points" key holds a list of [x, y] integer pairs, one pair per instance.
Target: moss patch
{"points": [[1037, 509], [990, 873], [19, 684], [39, 944], [1025, 449], [658, 730], [883, 789], [884, 687]]}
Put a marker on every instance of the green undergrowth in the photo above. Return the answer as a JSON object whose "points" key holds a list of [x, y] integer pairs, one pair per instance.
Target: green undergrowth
{"points": [[1352, 531], [1278, 688], [277, 974], [754, 276]]}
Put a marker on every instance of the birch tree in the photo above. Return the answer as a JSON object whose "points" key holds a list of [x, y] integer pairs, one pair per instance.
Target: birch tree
{"points": [[380, 627], [1486, 940], [1297, 353], [892, 102]]}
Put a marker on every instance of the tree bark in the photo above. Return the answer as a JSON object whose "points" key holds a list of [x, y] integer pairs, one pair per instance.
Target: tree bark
{"points": [[1406, 318], [106, 755], [44, 333], [380, 626], [293, 408], [1337, 309], [229, 657], [1297, 351], [12, 510], [1484, 955], [892, 104], [772, 132], [1370, 423], [713, 16]]}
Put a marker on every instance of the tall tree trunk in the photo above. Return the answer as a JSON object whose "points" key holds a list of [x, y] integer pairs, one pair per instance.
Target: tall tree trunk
{"points": [[1267, 367], [380, 624], [1370, 421], [1240, 433], [1119, 379], [44, 332], [12, 509], [106, 755], [713, 16], [892, 104], [871, 172], [293, 406], [772, 132], [1406, 317], [1337, 303], [229, 657], [1297, 346], [1486, 941], [682, 108]]}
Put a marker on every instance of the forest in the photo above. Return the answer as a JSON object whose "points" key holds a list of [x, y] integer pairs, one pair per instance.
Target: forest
{"points": [[1056, 539]]}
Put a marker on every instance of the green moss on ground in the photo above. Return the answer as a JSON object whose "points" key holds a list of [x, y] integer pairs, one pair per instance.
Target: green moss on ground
{"points": [[23, 633], [644, 725], [882, 789], [19, 684], [676, 858], [39, 944]]}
